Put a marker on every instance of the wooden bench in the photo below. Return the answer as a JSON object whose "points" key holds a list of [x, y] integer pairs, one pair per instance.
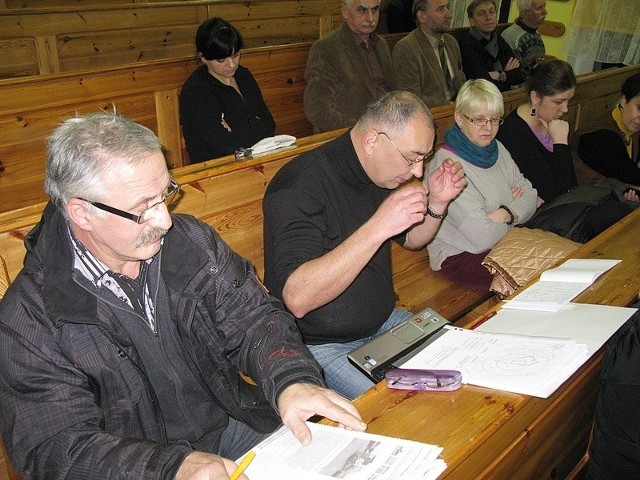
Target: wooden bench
{"points": [[227, 194], [148, 93], [231, 177], [591, 90]]}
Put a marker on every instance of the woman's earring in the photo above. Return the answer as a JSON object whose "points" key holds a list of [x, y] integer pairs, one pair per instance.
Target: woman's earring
{"points": [[533, 111]]}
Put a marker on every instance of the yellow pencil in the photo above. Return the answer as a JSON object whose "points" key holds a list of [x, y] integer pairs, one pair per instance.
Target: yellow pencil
{"points": [[243, 465]]}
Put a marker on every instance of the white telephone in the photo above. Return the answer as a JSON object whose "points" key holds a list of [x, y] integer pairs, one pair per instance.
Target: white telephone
{"points": [[272, 143]]}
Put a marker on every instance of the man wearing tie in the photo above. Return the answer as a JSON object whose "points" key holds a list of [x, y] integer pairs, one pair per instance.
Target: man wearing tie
{"points": [[427, 61]]}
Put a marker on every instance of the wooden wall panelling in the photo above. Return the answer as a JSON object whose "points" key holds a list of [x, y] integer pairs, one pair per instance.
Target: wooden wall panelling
{"points": [[18, 57], [280, 73], [97, 36], [48, 58]]}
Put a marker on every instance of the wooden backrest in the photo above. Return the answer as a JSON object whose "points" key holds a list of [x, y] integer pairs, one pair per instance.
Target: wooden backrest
{"points": [[148, 93], [228, 195], [227, 186], [31, 108]]}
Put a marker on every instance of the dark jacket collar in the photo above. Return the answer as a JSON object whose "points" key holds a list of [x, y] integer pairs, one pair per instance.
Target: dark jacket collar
{"points": [[68, 294]]}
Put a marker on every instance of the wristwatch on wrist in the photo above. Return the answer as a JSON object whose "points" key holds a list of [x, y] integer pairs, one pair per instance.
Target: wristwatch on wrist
{"points": [[437, 216], [502, 76]]}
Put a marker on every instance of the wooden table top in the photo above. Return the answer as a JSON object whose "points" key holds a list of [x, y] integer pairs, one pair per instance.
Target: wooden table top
{"points": [[493, 434]]}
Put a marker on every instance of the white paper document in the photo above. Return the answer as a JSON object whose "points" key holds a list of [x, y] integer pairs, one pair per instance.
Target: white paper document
{"points": [[338, 453], [524, 364], [592, 325], [558, 286]]}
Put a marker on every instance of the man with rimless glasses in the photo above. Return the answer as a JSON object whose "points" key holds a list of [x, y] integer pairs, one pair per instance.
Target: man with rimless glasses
{"points": [[329, 218], [123, 337]]}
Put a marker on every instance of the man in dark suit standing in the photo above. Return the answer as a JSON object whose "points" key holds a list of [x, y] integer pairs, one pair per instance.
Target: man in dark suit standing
{"points": [[347, 69]]}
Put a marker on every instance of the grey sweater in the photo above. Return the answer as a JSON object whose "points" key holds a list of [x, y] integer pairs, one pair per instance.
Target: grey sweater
{"points": [[467, 228]]}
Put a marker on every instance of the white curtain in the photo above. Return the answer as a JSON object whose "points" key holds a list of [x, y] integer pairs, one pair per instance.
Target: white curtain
{"points": [[605, 31], [458, 9]]}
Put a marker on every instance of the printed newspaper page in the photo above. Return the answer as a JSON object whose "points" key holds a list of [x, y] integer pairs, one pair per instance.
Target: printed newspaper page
{"points": [[338, 453]]}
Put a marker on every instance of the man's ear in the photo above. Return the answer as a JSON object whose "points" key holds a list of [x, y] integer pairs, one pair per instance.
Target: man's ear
{"points": [[78, 212], [343, 10], [369, 140]]}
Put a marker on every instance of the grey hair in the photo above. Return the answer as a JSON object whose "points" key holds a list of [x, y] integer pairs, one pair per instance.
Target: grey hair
{"points": [[475, 94], [393, 111], [82, 150], [524, 5]]}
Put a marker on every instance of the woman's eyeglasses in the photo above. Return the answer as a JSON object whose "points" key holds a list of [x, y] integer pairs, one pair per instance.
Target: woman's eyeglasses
{"points": [[482, 122]]}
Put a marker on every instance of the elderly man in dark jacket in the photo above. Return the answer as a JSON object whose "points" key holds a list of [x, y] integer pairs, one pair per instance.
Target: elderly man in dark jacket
{"points": [[347, 69], [123, 336]]}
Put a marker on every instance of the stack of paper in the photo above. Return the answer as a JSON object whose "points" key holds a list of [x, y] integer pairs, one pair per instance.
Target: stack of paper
{"points": [[560, 285], [524, 364], [338, 453], [592, 325]]}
